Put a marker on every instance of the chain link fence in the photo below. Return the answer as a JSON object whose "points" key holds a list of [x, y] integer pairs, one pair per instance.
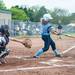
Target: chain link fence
{"points": [[28, 28], [20, 28]]}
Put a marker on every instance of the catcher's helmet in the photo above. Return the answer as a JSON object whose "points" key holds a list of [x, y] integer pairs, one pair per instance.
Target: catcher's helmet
{"points": [[2, 31], [5, 29]]}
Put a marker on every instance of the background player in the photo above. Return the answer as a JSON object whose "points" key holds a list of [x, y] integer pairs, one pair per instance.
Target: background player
{"points": [[59, 30]]}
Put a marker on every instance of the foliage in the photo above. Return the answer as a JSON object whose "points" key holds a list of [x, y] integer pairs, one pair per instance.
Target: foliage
{"points": [[2, 5], [18, 14], [35, 13], [72, 16], [40, 13], [60, 15]]}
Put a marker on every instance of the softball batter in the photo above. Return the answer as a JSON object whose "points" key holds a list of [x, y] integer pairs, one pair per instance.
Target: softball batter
{"points": [[46, 29]]}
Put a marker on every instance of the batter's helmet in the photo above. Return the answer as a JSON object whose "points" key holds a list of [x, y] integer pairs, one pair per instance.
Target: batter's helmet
{"points": [[47, 17]]}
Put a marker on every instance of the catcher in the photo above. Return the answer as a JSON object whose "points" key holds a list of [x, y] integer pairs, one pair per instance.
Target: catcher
{"points": [[4, 39], [45, 33]]}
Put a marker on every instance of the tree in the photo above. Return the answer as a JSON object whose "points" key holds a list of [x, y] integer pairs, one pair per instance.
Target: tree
{"points": [[2, 5], [34, 13], [40, 13], [30, 14], [60, 14], [25, 10], [18, 14], [72, 16]]}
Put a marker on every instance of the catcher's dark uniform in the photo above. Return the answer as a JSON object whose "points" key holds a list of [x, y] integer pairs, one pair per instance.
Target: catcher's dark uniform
{"points": [[4, 39]]}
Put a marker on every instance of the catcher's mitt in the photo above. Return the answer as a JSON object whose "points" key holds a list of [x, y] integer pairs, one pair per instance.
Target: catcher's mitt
{"points": [[27, 43]]}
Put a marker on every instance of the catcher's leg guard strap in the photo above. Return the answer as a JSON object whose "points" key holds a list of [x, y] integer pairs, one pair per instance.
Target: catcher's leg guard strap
{"points": [[4, 53]]}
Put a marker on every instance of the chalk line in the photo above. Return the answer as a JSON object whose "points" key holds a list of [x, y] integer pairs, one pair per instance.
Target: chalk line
{"points": [[54, 60], [67, 50], [44, 67], [36, 68], [19, 57], [22, 57]]}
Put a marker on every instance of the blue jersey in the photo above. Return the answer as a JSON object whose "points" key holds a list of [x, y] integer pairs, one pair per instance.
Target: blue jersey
{"points": [[46, 29]]}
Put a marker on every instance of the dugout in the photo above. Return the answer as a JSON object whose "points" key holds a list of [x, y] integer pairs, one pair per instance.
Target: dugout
{"points": [[5, 18]]}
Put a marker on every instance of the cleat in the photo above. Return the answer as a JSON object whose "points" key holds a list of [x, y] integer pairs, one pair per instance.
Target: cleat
{"points": [[2, 60], [58, 55], [35, 57]]}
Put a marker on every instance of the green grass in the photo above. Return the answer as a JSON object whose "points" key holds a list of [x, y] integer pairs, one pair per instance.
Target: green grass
{"points": [[72, 34]]}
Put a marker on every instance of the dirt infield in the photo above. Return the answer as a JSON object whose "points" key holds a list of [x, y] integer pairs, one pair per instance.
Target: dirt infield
{"points": [[20, 61]]}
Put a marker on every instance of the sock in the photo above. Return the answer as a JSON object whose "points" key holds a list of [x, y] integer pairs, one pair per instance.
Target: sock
{"points": [[39, 52], [56, 52]]}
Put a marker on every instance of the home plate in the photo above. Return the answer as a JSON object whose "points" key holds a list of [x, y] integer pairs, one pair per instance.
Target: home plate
{"points": [[51, 62]]}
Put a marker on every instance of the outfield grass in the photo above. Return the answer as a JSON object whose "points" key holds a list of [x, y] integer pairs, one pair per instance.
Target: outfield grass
{"points": [[72, 34]]}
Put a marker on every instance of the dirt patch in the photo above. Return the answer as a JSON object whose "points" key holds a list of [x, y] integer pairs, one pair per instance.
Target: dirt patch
{"points": [[21, 58]]}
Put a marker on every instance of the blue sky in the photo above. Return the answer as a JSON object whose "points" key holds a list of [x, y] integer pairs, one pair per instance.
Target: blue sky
{"points": [[50, 4]]}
